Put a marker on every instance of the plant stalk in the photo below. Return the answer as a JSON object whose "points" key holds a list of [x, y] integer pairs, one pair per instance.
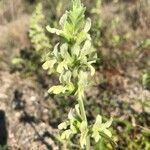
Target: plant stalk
{"points": [[83, 115]]}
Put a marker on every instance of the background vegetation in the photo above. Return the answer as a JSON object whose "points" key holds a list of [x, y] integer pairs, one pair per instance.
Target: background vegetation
{"points": [[120, 32]]}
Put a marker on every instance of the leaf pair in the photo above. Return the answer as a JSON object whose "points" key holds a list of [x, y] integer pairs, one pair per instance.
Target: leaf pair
{"points": [[62, 90], [100, 127], [72, 125]]}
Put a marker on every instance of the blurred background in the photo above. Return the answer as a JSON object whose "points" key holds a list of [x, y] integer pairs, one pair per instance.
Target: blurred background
{"points": [[121, 86]]}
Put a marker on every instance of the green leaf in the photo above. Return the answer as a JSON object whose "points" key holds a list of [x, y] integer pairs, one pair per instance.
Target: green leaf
{"points": [[55, 51], [84, 133], [64, 50], [81, 36], [63, 125], [97, 125], [86, 48], [87, 25], [61, 66], [83, 139], [65, 77], [107, 132], [63, 19], [98, 119], [83, 126], [83, 78], [68, 29], [73, 129], [70, 87], [48, 64], [96, 136], [71, 115], [100, 127], [92, 69], [65, 54], [108, 123], [66, 134], [54, 30], [75, 50], [77, 109], [57, 89]]}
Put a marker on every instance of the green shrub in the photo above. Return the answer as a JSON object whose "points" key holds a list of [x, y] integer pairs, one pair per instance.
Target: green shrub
{"points": [[72, 60], [146, 79], [37, 34], [29, 60]]}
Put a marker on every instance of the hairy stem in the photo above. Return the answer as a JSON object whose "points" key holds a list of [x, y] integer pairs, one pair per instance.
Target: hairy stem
{"points": [[83, 115]]}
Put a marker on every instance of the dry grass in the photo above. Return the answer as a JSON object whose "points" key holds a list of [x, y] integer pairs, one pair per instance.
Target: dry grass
{"points": [[10, 10], [14, 34]]}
